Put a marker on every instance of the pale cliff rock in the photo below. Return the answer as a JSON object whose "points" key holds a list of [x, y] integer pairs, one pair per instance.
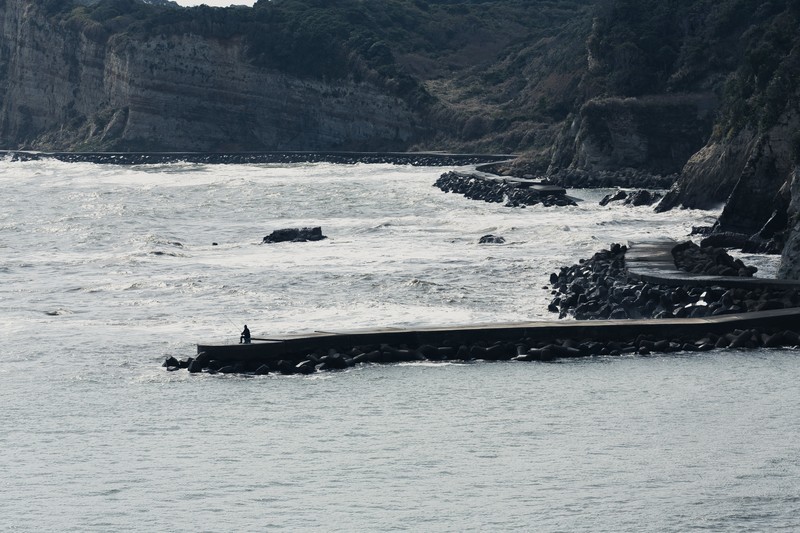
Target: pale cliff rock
{"points": [[762, 187], [69, 89], [656, 134], [709, 176], [748, 172]]}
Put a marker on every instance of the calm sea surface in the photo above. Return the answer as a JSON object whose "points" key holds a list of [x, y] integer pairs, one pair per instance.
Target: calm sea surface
{"points": [[105, 271]]}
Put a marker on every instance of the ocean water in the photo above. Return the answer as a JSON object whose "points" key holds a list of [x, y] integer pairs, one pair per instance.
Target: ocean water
{"points": [[105, 271]]}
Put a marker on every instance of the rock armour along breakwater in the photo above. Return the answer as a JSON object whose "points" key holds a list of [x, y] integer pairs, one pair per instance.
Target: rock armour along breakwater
{"points": [[604, 287], [573, 178], [515, 192], [523, 342]]}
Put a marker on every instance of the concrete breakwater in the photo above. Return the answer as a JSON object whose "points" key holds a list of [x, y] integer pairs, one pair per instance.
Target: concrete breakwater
{"points": [[515, 192], [151, 158], [530, 341], [727, 322]]}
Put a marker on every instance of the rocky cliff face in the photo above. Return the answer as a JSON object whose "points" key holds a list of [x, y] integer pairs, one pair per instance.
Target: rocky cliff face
{"points": [[62, 89], [656, 134], [709, 176], [748, 172], [790, 257], [763, 185]]}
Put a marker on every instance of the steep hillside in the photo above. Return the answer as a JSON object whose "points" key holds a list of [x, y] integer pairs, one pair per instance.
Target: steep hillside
{"points": [[713, 84]]}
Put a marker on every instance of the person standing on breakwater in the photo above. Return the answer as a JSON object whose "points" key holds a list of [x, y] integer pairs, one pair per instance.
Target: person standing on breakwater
{"points": [[245, 336]]}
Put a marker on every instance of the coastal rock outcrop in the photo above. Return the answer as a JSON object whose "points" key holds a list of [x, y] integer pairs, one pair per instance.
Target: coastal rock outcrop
{"points": [[790, 256], [656, 133], [295, 235], [635, 198], [750, 173]]}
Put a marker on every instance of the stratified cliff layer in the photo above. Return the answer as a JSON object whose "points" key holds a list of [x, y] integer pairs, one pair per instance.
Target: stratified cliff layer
{"points": [[65, 90], [287, 75]]}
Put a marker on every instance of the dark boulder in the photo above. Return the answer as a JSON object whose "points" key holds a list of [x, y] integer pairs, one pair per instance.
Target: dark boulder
{"points": [[709, 260], [642, 197], [725, 239], [306, 367], [491, 239], [614, 197], [334, 361], [295, 235]]}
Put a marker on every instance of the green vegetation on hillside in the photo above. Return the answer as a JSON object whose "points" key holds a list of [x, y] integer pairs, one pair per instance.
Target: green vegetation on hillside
{"points": [[745, 50]]}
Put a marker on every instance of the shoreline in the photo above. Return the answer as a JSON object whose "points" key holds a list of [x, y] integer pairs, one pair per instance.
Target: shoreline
{"points": [[434, 159]]}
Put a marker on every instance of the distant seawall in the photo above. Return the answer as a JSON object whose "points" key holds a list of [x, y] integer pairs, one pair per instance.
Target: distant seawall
{"points": [[240, 158]]}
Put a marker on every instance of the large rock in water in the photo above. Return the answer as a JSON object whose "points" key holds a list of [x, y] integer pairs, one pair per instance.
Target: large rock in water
{"points": [[643, 197], [295, 235], [616, 196], [492, 239]]}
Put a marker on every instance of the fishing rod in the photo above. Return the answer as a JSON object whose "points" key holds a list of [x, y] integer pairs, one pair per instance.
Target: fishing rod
{"points": [[231, 321]]}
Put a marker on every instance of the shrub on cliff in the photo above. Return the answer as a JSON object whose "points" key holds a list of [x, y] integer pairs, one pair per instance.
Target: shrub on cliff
{"points": [[748, 51]]}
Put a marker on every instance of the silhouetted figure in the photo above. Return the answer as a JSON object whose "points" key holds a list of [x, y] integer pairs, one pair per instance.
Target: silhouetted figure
{"points": [[245, 337]]}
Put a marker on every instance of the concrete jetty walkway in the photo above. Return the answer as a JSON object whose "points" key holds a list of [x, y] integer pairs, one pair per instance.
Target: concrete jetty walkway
{"points": [[290, 346], [652, 262]]}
